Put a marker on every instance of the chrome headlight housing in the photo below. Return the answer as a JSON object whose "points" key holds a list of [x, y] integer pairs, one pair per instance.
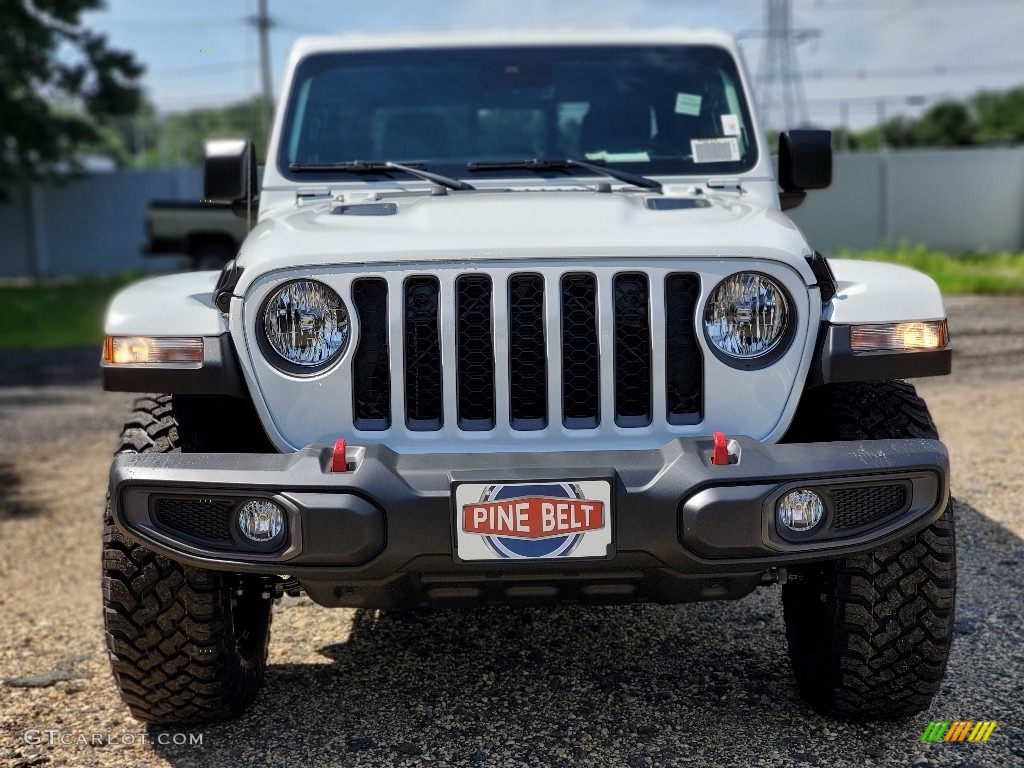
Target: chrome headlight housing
{"points": [[747, 319], [306, 323]]}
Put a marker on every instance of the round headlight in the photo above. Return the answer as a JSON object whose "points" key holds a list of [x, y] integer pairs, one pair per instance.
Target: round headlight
{"points": [[746, 315], [306, 323]]}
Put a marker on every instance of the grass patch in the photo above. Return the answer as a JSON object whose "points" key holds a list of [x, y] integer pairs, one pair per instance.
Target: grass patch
{"points": [[51, 315], [971, 273]]}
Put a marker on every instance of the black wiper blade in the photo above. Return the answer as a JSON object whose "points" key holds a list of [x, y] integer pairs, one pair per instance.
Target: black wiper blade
{"points": [[540, 164], [377, 166], [354, 166]]}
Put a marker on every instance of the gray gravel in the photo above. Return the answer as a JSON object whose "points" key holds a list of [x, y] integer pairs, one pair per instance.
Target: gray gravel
{"points": [[702, 684]]}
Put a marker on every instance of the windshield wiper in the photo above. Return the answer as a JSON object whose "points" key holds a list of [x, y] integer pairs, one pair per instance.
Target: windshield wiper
{"points": [[376, 166], [539, 164]]}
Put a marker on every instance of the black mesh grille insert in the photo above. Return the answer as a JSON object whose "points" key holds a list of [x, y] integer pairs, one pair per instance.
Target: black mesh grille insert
{"points": [[475, 352], [371, 366], [527, 354], [632, 351], [424, 397], [581, 398], [684, 366], [195, 518], [855, 507]]}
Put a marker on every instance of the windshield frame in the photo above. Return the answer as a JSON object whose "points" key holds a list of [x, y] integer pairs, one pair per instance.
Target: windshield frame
{"points": [[661, 167]]}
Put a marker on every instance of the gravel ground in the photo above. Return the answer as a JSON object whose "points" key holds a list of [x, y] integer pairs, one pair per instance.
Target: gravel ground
{"points": [[703, 684]]}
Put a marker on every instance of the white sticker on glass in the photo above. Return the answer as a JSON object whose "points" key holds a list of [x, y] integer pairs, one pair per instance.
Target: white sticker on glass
{"points": [[688, 104], [715, 150], [620, 157], [730, 125]]}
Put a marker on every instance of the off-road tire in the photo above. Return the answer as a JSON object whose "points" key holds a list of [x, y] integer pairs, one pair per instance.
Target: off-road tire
{"points": [[183, 646], [869, 636]]}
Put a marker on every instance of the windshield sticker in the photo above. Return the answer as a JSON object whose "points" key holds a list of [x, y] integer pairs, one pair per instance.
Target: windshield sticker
{"points": [[620, 157], [688, 104], [715, 150], [730, 125]]}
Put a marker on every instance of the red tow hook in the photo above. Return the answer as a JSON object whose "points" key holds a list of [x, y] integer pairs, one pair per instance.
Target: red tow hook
{"points": [[338, 461], [720, 451]]}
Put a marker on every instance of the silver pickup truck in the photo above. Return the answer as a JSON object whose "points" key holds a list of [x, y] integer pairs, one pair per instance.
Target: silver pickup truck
{"points": [[523, 320], [208, 234]]}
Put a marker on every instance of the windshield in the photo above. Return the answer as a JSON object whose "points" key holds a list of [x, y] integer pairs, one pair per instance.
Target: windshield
{"points": [[676, 110]]}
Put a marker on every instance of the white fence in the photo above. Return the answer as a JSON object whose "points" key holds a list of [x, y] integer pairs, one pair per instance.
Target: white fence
{"points": [[956, 200], [952, 200], [90, 226]]}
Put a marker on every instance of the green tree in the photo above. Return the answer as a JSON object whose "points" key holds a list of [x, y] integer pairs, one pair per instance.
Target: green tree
{"points": [[184, 134], [1000, 116], [947, 124], [59, 84]]}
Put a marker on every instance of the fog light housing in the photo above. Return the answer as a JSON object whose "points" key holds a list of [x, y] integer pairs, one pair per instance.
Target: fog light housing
{"points": [[800, 510], [261, 521]]}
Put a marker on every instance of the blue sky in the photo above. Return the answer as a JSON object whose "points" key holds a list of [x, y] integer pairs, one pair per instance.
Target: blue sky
{"points": [[203, 53]]}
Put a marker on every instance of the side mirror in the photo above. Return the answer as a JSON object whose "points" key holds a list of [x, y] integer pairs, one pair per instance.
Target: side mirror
{"points": [[229, 174], [805, 162]]}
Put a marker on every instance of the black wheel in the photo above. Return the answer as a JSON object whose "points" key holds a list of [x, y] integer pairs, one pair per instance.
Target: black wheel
{"points": [[869, 636], [184, 647]]}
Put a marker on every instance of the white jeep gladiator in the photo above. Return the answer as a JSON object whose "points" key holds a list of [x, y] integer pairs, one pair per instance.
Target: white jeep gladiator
{"points": [[521, 320]]}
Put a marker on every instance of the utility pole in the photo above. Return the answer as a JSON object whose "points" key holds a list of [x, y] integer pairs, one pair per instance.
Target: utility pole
{"points": [[264, 24], [779, 67]]}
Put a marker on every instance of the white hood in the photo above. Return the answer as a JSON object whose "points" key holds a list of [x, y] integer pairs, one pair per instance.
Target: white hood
{"points": [[498, 225]]}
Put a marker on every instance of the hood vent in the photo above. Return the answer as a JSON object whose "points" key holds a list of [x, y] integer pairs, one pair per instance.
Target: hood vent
{"points": [[675, 203], [366, 209]]}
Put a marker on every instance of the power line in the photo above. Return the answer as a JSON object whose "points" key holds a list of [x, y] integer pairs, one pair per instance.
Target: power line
{"points": [[213, 69], [938, 70], [779, 65], [163, 24], [859, 5]]}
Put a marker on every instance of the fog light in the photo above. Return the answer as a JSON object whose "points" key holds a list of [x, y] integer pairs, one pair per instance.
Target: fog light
{"points": [[801, 510], [261, 520]]}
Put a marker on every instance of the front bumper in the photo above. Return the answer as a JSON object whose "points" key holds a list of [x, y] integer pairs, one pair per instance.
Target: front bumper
{"points": [[381, 534]]}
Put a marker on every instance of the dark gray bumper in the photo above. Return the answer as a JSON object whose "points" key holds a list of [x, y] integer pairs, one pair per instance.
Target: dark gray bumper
{"points": [[381, 534]]}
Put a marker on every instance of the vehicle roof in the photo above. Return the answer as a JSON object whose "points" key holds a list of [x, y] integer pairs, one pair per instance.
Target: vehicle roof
{"points": [[510, 37]]}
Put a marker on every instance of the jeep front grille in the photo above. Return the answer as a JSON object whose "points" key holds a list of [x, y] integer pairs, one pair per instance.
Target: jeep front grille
{"points": [[684, 366], [632, 351], [475, 378], [527, 353], [424, 393], [581, 371], [371, 379], [505, 335]]}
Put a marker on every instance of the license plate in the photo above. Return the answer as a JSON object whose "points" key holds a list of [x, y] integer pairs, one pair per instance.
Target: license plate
{"points": [[533, 520]]}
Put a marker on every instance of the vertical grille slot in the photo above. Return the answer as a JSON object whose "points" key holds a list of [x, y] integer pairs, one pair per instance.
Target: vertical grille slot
{"points": [[371, 365], [684, 366], [475, 349], [632, 350], [424, 397], [581, 385], [527, 353]]}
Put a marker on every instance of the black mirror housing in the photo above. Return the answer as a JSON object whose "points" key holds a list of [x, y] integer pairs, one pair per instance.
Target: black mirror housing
{"points": [[229, 172], [805, 160]]}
